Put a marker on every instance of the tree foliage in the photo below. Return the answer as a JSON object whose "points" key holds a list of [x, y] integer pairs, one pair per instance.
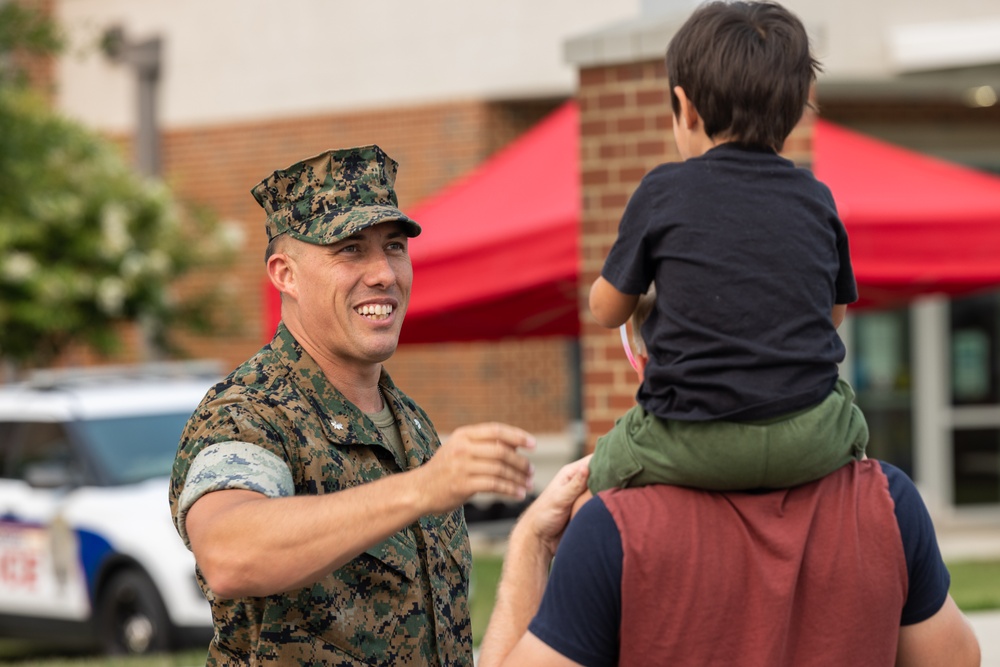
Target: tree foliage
{"points": [[24, 31], [86, 243]]}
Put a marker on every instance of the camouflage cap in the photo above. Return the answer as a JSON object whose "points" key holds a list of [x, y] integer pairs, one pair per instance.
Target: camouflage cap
{"points": [[330, 196]]}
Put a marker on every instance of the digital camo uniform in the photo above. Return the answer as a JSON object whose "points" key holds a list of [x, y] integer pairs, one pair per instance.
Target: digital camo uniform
{"points": [[277, 426]]}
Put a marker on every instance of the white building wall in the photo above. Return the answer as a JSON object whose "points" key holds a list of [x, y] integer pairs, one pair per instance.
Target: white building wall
{"points": [[236, 60], [857, 38]]}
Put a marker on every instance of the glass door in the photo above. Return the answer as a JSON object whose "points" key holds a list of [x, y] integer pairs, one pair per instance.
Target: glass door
{"points": [[975, 399]]}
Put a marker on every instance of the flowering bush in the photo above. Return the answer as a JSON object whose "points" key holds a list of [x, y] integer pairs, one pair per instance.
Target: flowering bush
{"points": [[85, 242]]}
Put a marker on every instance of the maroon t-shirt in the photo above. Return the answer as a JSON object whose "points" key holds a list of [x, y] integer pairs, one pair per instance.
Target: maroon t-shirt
{"points": [[819, 575]]}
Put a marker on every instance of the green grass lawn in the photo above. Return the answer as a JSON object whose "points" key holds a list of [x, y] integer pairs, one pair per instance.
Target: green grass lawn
{"points": [[975, 585], [485, 576]]}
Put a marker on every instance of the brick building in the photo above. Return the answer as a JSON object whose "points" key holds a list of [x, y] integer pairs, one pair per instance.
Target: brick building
{"points": [[231, 110], [441, 88], [516, 381]]}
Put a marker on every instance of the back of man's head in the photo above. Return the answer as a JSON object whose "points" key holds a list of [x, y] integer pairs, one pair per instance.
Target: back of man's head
{"points": [[746, 67]]}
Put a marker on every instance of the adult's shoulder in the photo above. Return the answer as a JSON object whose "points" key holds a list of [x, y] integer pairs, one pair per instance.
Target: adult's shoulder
{"points": [[237, 403], [901, 487], [928, 577], [263, 379], [582, 622]]}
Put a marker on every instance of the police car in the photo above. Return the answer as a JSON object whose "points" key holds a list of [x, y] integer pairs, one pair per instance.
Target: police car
{"points": [[88, 552]]}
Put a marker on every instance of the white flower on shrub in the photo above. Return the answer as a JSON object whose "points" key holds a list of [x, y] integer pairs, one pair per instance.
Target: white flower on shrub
{"points": [[18, 267], [158, 263], [115, 238], [231, 235], [133, 265], [111, 295]]}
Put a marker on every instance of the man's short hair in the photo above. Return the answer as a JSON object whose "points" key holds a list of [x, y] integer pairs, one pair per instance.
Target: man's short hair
{"points": [[274, 246], [746, 67]]}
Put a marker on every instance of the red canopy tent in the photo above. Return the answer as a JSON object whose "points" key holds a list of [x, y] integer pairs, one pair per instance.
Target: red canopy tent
{"points": [[498, 256], [499, 253], [917, 224]]}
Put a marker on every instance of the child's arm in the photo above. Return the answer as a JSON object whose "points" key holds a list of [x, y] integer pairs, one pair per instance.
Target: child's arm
{"points": [[839, 312], [610, 307]]}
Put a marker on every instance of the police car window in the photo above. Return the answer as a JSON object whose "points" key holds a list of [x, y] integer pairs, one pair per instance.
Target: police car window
{"points": [[133, 449], [44, 456], [8, 433]]}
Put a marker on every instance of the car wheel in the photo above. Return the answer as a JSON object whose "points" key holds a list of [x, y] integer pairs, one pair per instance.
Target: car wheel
{"points": [[132, 617]]}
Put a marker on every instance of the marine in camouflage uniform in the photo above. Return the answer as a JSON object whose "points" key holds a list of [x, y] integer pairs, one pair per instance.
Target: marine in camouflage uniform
{"points": [[278, 426]]}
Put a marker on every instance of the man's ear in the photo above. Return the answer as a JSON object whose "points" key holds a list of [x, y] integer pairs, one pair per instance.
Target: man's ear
{"points": [[281, 272], [688, 114]]}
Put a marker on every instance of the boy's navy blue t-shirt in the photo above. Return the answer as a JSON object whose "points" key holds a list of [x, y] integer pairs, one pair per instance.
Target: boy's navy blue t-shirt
{"points": [[749, 257]]}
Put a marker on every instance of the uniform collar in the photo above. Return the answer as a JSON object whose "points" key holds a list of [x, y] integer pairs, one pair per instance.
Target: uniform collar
{"points": [[343, 423]]}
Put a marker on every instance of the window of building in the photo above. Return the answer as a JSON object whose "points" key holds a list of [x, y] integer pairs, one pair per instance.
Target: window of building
{"points": [[882, 381], [975, 397]]}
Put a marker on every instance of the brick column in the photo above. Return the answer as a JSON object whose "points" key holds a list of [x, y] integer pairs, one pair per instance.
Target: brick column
{"points": [[625, 123]]}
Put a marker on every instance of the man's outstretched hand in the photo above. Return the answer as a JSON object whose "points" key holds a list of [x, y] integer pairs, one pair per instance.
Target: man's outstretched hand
{"points": [[481, 458]]}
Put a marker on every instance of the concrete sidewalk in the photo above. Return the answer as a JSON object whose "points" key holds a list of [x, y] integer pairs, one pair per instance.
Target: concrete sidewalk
{"points": [[987, 627], [969, 543]]}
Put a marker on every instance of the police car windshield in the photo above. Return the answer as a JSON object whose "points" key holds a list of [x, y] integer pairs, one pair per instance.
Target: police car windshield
{"points": [[133, 449]]}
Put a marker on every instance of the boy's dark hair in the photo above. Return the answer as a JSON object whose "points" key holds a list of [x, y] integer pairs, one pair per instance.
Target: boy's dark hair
{"points": [[747, 69]]}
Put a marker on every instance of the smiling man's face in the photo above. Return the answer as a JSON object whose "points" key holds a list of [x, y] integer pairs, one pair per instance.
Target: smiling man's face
{"points": [[350, 297]]}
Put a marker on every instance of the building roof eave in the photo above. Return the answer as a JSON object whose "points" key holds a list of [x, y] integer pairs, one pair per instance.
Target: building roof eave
{"points": [[640, 39], [951, 85]]}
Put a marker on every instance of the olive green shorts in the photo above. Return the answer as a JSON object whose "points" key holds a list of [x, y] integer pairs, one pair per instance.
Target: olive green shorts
{"points": [[731, 456]]}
